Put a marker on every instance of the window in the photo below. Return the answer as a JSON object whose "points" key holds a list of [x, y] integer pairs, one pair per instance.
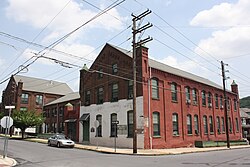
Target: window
{"points": [[222, 124], [175, 124], [235, 105], [39, 99], [211, 125], [196, 124], [114, 68], [187, 92], [100, 73], [189, 124], [174, 91], [155, 88], [130, 89], [87, 97], [114, 92], [203, 96], [218, 124], [100, 95], [113, 125], [216, 101], [205, 124], [99, 128], [230, 125], [194, 94], [24, 98], [209, 99], [221, 102], [156, 123], [130, 123], [61, 111], [237, 124], [228, 103]]}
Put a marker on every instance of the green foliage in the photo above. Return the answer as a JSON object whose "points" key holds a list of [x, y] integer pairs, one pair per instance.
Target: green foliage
{"points": [[1, 115], [245, 102], [26, 119]]}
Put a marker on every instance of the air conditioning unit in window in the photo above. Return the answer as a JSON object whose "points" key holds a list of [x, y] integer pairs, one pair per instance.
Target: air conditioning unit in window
{"points": [[221, 107], [210, 105], [196, 132], [188, 101], [194, 102]]}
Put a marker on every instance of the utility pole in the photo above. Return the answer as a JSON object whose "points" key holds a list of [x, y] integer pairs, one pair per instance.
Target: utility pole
{"points": [[225, 103], [135, 45]]}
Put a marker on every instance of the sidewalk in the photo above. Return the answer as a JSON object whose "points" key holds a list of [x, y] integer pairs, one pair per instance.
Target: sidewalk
{"points": [[7, 162], [145, 152]]}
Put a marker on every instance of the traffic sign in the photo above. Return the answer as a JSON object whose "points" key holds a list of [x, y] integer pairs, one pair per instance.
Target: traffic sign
{"points": [[6, 122]]}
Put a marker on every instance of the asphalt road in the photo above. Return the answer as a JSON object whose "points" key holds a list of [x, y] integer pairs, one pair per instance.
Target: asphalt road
{"points": [[29, 154]]}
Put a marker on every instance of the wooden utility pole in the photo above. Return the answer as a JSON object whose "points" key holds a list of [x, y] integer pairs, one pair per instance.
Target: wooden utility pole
{"points": [[225, 103], [135, 45]]}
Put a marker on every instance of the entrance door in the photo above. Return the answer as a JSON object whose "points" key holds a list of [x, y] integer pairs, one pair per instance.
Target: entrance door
{"points": [[71, 129], [86, 131]]}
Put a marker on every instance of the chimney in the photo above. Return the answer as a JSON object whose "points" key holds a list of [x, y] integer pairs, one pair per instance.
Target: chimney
{"points": [[234, 88]]}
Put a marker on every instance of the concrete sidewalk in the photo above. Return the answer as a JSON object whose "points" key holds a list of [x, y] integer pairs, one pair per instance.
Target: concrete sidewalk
{"points": [[145, 152], [7, 162]]}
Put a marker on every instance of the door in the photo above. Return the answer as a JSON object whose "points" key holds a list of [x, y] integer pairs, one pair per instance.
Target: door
{"points": [[71, 129], [86, 131]]}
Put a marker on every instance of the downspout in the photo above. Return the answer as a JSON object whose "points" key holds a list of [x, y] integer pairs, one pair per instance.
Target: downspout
{"points": [[149, 115]]}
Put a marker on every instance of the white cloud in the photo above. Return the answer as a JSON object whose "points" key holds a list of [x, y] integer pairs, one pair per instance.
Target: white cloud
{"points": [[233, 40], [40, 12]]}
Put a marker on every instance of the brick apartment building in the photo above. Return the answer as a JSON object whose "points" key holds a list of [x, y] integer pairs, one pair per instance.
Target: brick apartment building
{"points": [[28, 93], [174, 108], [62, 116]]}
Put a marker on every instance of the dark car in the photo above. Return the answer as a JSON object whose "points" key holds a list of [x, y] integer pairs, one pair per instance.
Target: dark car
{"points": [[60, 140]]}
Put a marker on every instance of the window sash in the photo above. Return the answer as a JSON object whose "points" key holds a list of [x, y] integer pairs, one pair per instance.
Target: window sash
{"points": [[113, 132], [174, 92], [156, 124], [175, 124], [130, 124]]}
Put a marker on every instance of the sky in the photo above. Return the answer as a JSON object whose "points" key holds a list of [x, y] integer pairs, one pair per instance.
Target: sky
{"points": [[191, 35]]}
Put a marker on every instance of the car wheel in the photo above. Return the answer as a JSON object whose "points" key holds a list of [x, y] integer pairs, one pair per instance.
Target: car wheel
{"points": [[49, 144], [58, 145]]}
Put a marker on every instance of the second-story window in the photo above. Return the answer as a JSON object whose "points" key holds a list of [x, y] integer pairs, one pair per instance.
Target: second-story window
{"points": [[100, 73], [87, 97], [130, 89], [216, 101], [114, 69], [188, 97], [25, 98], [100, 95], [114, 92], [39, 99], [174, 91], [221, 102], [155, 88], [195, 96], [203, 96], [235, 105], [209, 99]]}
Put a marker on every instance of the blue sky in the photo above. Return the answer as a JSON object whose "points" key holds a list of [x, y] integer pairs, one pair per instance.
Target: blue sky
{"points": [[191, 35]]}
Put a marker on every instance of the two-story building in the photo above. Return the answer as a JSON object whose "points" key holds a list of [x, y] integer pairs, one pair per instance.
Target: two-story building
{"points": [[29, 93], [174, 108], [62, 116]]}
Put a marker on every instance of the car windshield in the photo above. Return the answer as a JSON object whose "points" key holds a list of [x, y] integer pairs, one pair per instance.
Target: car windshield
{"points": [[61, 137]]}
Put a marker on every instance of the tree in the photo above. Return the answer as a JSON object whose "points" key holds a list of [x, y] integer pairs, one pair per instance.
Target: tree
{"points": [[26, 119], [1, 114], [245, 102]]}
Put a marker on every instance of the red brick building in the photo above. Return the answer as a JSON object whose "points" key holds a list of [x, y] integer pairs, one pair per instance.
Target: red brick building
{"points": [[62, 116], [174, 108], [28, 93]]}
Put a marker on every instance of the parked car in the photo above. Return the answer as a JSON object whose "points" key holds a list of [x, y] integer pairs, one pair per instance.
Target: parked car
{"points": [[60, 140]]}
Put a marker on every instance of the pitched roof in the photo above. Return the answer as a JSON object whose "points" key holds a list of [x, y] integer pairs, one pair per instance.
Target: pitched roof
{"points": [[166, 68], [43, 85], [244, 112], [66, 98]]}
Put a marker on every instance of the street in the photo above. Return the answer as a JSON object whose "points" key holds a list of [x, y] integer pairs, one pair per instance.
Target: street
{"points": [[29, 154]]}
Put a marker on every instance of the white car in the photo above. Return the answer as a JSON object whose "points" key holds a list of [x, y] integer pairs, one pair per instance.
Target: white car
{"points": [[60, 140]]}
